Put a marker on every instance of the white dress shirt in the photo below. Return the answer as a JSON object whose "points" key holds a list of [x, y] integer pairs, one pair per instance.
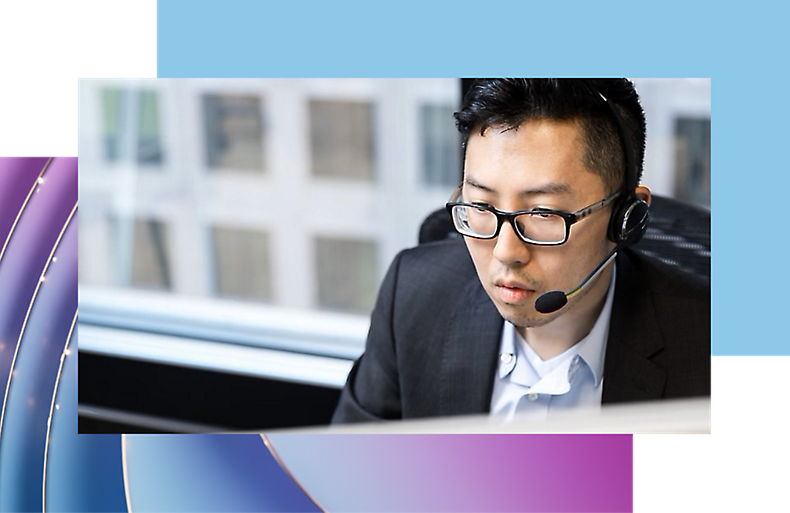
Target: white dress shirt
{"points": [[527, 386]]}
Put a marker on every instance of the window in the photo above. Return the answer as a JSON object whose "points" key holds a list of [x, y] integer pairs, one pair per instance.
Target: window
{"points": [[441, 146], [131, 125], [150, 256], [692, 160], [341, 137], [234, 132], [242, 263], [346, 271]]}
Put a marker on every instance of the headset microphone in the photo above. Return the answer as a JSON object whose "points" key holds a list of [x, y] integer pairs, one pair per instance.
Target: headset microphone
{"points": [[550, 302]]}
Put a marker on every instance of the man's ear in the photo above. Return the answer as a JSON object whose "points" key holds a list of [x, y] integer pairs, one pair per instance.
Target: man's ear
{"points": [[643, 193]]}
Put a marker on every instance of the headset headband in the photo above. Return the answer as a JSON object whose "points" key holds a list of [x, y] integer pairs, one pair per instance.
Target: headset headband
{"points": [[631, 174]]}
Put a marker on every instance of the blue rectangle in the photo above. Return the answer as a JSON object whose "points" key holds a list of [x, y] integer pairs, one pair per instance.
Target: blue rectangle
{"points": [[741, 48]]}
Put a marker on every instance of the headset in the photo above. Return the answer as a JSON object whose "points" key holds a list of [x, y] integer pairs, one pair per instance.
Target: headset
{"points": [[627, 223], [630, 214]]}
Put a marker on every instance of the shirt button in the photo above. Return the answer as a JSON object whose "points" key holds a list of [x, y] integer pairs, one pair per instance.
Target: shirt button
{"points": [[505, 357], [532, 396]]}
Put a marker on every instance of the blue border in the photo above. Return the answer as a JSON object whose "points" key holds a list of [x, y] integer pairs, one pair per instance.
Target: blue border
{"points": [[739, 47], [355, 38]]}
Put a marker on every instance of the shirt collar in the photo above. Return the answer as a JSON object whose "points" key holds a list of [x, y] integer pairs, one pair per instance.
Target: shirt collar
{"points": [[591, 349], [507, 350]]}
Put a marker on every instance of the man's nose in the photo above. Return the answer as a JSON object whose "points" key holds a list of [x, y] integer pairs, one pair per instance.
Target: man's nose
{"points": [[509, 248]]}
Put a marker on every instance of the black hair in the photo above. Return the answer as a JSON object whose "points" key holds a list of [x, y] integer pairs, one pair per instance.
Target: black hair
{"points": [[509, 102]]}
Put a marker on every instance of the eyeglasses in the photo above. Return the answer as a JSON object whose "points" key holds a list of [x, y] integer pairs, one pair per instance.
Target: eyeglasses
{"points": [[541, 226]]}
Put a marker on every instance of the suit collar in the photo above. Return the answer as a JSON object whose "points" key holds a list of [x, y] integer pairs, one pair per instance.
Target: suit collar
{"points": [[634, 338]]}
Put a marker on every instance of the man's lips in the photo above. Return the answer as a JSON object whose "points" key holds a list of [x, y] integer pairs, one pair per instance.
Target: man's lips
{"points": [[513, 291], [512, 284]]}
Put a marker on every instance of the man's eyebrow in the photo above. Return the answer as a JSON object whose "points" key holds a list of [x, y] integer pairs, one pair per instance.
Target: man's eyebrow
{"points": [[474, 183], [548, 189]]}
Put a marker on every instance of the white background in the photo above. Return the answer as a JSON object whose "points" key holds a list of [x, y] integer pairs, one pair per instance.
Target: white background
{"points": [[47, 46]]}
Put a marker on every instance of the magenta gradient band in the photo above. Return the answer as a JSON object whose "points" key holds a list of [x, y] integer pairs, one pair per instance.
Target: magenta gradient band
{"points": [[462, 473]]}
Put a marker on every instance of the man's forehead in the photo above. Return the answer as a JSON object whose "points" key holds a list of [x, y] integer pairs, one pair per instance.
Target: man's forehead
{"points": [[551, 187], [534, 138], [540, 157], [502, 127]]}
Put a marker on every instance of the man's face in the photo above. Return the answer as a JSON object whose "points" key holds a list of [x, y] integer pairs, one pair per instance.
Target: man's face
{"points": [[537, 165]]}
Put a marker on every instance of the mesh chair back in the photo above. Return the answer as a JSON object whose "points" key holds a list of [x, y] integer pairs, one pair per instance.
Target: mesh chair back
{"points": [[679, 235]]}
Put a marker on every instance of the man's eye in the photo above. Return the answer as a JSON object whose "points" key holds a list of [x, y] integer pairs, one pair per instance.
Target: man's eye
{"points": [[542, 214]]}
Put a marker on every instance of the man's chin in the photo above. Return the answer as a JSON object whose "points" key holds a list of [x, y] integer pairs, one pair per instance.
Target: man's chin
{"points": [[525, 319]]}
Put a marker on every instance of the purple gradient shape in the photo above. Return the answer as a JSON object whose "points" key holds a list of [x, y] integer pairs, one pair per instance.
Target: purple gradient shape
{"points": [[24, 433], [17, 176], [28, 251], [84, 472], [462, 473]]}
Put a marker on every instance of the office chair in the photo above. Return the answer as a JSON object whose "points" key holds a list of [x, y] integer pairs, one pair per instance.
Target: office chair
{"points": [[678, 234]]}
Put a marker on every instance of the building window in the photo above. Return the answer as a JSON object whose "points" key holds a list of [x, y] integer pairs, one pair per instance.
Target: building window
{"points": [[346, 270], [341, 139], [234, 132], [692, 160], [130, 122], [441, 146], [150, 255], [242, 263]]}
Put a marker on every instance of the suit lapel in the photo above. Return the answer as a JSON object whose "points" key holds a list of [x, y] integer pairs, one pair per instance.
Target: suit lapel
{"points": [[469, 353], [634, 337]]}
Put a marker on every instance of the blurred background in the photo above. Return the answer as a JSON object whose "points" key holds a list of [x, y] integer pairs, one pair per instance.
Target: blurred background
{"points": [[233, 233]]}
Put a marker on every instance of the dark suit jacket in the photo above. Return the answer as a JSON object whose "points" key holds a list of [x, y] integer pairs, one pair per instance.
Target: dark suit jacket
{"points": [[435, 334]]}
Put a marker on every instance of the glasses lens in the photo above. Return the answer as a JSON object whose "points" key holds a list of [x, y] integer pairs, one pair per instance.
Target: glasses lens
{"points": [[541, 227], [474, 221]]}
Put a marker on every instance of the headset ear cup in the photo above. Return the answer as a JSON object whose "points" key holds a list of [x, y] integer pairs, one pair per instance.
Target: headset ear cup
{"points": [[629, 221], [614, 232], [637, 221]]}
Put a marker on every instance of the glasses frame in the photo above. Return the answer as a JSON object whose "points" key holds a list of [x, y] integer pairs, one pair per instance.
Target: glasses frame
{"points": [[570, 218]]}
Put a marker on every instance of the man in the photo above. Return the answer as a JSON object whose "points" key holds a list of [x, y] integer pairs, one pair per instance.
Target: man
{"points": [[532, 315]]}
